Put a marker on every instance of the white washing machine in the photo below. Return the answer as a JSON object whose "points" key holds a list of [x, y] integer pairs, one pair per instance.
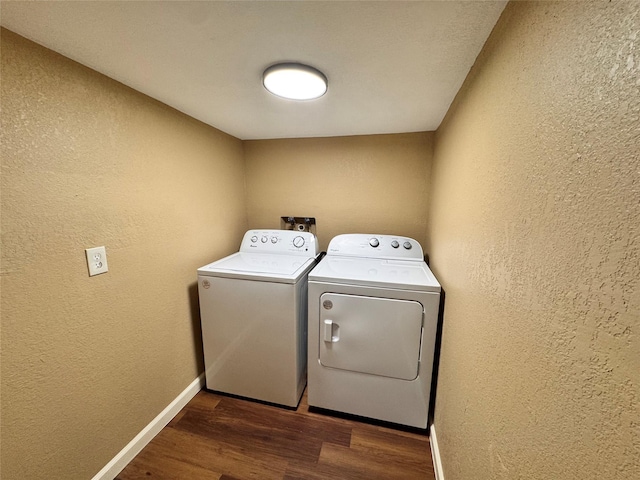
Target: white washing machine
{"points": [[373, 312], [253, 309]]}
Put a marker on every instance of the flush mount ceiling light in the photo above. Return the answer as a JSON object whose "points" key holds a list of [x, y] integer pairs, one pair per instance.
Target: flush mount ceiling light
{"points": [[294, 81]]}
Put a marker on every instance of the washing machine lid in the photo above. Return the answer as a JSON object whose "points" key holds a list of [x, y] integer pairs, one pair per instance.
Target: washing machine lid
{"points": [[260, 267], [372, 272]]}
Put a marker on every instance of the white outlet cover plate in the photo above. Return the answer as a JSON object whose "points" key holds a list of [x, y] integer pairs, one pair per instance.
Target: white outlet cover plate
{"points": [[97, 260]]}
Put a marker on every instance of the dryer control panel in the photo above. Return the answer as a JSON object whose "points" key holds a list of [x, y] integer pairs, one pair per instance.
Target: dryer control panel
{"points": [[376, 246], [287, 242]]}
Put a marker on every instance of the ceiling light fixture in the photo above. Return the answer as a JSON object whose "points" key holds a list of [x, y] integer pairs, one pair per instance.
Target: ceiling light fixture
{"points": [[294, 81]]}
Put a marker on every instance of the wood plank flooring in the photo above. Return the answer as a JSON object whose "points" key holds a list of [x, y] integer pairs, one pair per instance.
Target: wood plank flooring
{"points": [[222, 438]]}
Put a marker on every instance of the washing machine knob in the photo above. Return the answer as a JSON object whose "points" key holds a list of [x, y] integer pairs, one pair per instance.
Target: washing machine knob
{"points": [[298, 242], [264, 239], [274, 239], [254, 239], [407, 245], [395, 244], [374, 242]]}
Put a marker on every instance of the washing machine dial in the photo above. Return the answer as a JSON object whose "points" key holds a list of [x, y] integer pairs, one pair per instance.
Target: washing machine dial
{"points": [[254, 239], [374, 242], [298, 242], [264, 239], [395, 244], [407, 245], [274, 239]]}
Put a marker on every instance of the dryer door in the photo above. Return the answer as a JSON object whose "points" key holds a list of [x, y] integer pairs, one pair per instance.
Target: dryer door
{"points": [[378, 336]]}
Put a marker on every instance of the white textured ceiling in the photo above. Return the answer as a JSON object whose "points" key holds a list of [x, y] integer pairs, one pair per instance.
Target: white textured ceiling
{"points": [[393, 66]]}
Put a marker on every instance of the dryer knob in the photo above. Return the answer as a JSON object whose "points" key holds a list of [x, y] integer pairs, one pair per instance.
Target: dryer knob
{"points": [[264, 239], [274, 239], [407, 245], [374, 242], [254, 239], [395, 244]]}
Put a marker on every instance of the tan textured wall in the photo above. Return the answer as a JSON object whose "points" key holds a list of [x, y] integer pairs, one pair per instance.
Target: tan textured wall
{"points": [[361, 184], [88, 362], [535, 235]]}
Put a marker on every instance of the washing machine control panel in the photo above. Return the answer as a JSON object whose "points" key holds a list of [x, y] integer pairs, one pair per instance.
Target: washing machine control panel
{"points": [[288, 242], [376, 246]]}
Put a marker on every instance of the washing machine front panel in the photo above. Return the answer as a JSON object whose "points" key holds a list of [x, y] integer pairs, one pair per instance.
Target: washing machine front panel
{"points": [[254, 338], [376, 336]]}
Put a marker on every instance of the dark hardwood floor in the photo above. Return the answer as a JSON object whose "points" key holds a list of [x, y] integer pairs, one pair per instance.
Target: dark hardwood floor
{"points": [[224, 438]]}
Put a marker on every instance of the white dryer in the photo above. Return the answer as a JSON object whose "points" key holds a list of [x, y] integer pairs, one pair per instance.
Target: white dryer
{"points": [[373, 312], [253, 310]]}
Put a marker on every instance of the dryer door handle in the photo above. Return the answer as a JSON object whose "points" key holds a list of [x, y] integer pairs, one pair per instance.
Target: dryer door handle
{"points": [[328, 332]]}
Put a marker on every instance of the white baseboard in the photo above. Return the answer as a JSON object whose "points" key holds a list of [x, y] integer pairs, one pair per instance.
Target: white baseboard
{"points": [[117, 464], [435, 454]]}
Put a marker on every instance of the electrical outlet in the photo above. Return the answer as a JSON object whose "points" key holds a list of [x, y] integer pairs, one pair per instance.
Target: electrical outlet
{"points": [[97, 260]]}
